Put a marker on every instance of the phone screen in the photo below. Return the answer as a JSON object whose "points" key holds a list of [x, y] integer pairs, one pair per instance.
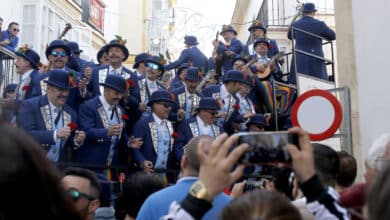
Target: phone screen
{"points": [[266, 147]]}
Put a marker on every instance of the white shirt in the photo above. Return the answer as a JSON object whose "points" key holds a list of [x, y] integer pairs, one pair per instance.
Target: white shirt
{"points": [[262, 59], [118, 71], [107, 107], [225, 96], [23, 81], [54, 113], [189, 96], [152, 85], [203, 127]]}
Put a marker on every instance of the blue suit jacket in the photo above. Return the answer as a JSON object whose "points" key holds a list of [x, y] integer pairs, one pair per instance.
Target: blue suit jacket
{"points": [[193, 55], [14, 40], [227, 61], [148, 150], [233, 114], [181, 102], [187, 130], [131, 103], [75, 98], [273, 48], [32, 116], [157, 204], [176, 83], [305, 64], [34, 85], [94, 122]]}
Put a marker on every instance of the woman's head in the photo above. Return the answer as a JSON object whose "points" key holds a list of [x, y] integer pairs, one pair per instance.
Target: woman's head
{"points": [[261, 204]]}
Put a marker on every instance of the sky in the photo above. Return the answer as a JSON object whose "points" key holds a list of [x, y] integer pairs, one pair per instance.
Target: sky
{"points": [[202, 18]]}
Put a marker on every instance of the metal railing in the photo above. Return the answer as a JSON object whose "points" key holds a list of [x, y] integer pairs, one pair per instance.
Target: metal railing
{"points": [[7, 70], [325, 60]]}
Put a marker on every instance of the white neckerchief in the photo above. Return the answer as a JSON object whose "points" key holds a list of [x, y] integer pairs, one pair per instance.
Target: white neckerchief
{"points": [[25, 76], [107, 107], [224, 95], [152, 85], [188, 94], [119, 70], [158, 120]]}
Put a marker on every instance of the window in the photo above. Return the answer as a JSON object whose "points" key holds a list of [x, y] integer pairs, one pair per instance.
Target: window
{"points": [[28, 25]]}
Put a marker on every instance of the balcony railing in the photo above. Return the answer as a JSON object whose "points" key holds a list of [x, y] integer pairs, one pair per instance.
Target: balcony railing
{"points": [[7, 70]]}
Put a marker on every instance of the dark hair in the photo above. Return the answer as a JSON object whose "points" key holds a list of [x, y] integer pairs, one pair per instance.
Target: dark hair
{"points": [[284, 181], [1, 19], [88, 174], [379, 196], [136, 189], [12, 23], [347, 169], [30, 185], [261, 204], [326, 163]]}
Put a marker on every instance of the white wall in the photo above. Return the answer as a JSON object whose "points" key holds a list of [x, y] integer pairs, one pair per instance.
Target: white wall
{"points": [[10, 11], [371, 32]]}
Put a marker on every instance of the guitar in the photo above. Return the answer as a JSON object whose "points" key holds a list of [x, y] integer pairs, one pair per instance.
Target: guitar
{"points": [[267, 66], [217, 58]]}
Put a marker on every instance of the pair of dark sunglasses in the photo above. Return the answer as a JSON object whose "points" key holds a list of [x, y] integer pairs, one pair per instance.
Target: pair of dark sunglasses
{"points": [[58, 54], [165, 104], [152, 66], [15, 29], [75, 195]]}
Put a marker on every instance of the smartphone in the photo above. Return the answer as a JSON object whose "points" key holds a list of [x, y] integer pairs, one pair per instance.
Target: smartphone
{"points": [[267, 147]]}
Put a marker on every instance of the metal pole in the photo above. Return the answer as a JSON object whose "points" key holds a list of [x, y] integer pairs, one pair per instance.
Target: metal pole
{"points": [[275, 109]]}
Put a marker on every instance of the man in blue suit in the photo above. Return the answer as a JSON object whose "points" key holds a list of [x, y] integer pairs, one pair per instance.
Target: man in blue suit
{"points": [[309, 65], [75, 61], [9, 38], [157, 204], [27, 61], [139, 64], [58, 53], [50, 121], [192, 55], [156, 132], [118, 53], [203, 123], [102, 120], [179, 78], [257, 31], [150, 84], [229, 50], [186, 97], [229, 116]]}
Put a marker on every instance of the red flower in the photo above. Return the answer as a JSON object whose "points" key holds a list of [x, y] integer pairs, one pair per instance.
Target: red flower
{"points": [[270, 46], [175, 135], [25, 87], [125, 117], [219, 103], [227, 46], [130, 83], [236, 106], [122, 177], [172, 96], [73, 126]]}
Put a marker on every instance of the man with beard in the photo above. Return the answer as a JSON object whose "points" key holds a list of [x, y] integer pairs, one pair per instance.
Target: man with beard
{"points": [[58, 53], [50, 121], [186, 97], [156, 132], [102, 120]]}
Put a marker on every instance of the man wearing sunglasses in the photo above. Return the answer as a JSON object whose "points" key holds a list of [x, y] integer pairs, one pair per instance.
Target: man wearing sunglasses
{"points": [[83, 188], [186, 97], [203, 123], [58, 53], [156, 132], [150, 84], [9, 38]]}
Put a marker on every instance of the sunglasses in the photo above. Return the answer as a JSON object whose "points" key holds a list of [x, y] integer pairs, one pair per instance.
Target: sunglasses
{"points": [[58, 54], [152, 66], [75, 195], [166, 105], [15, 29]]}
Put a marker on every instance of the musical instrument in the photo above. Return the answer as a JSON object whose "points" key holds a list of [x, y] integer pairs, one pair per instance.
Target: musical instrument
{"points": [[267, 66], [217, 58], [209, 75], [68, 26]]}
